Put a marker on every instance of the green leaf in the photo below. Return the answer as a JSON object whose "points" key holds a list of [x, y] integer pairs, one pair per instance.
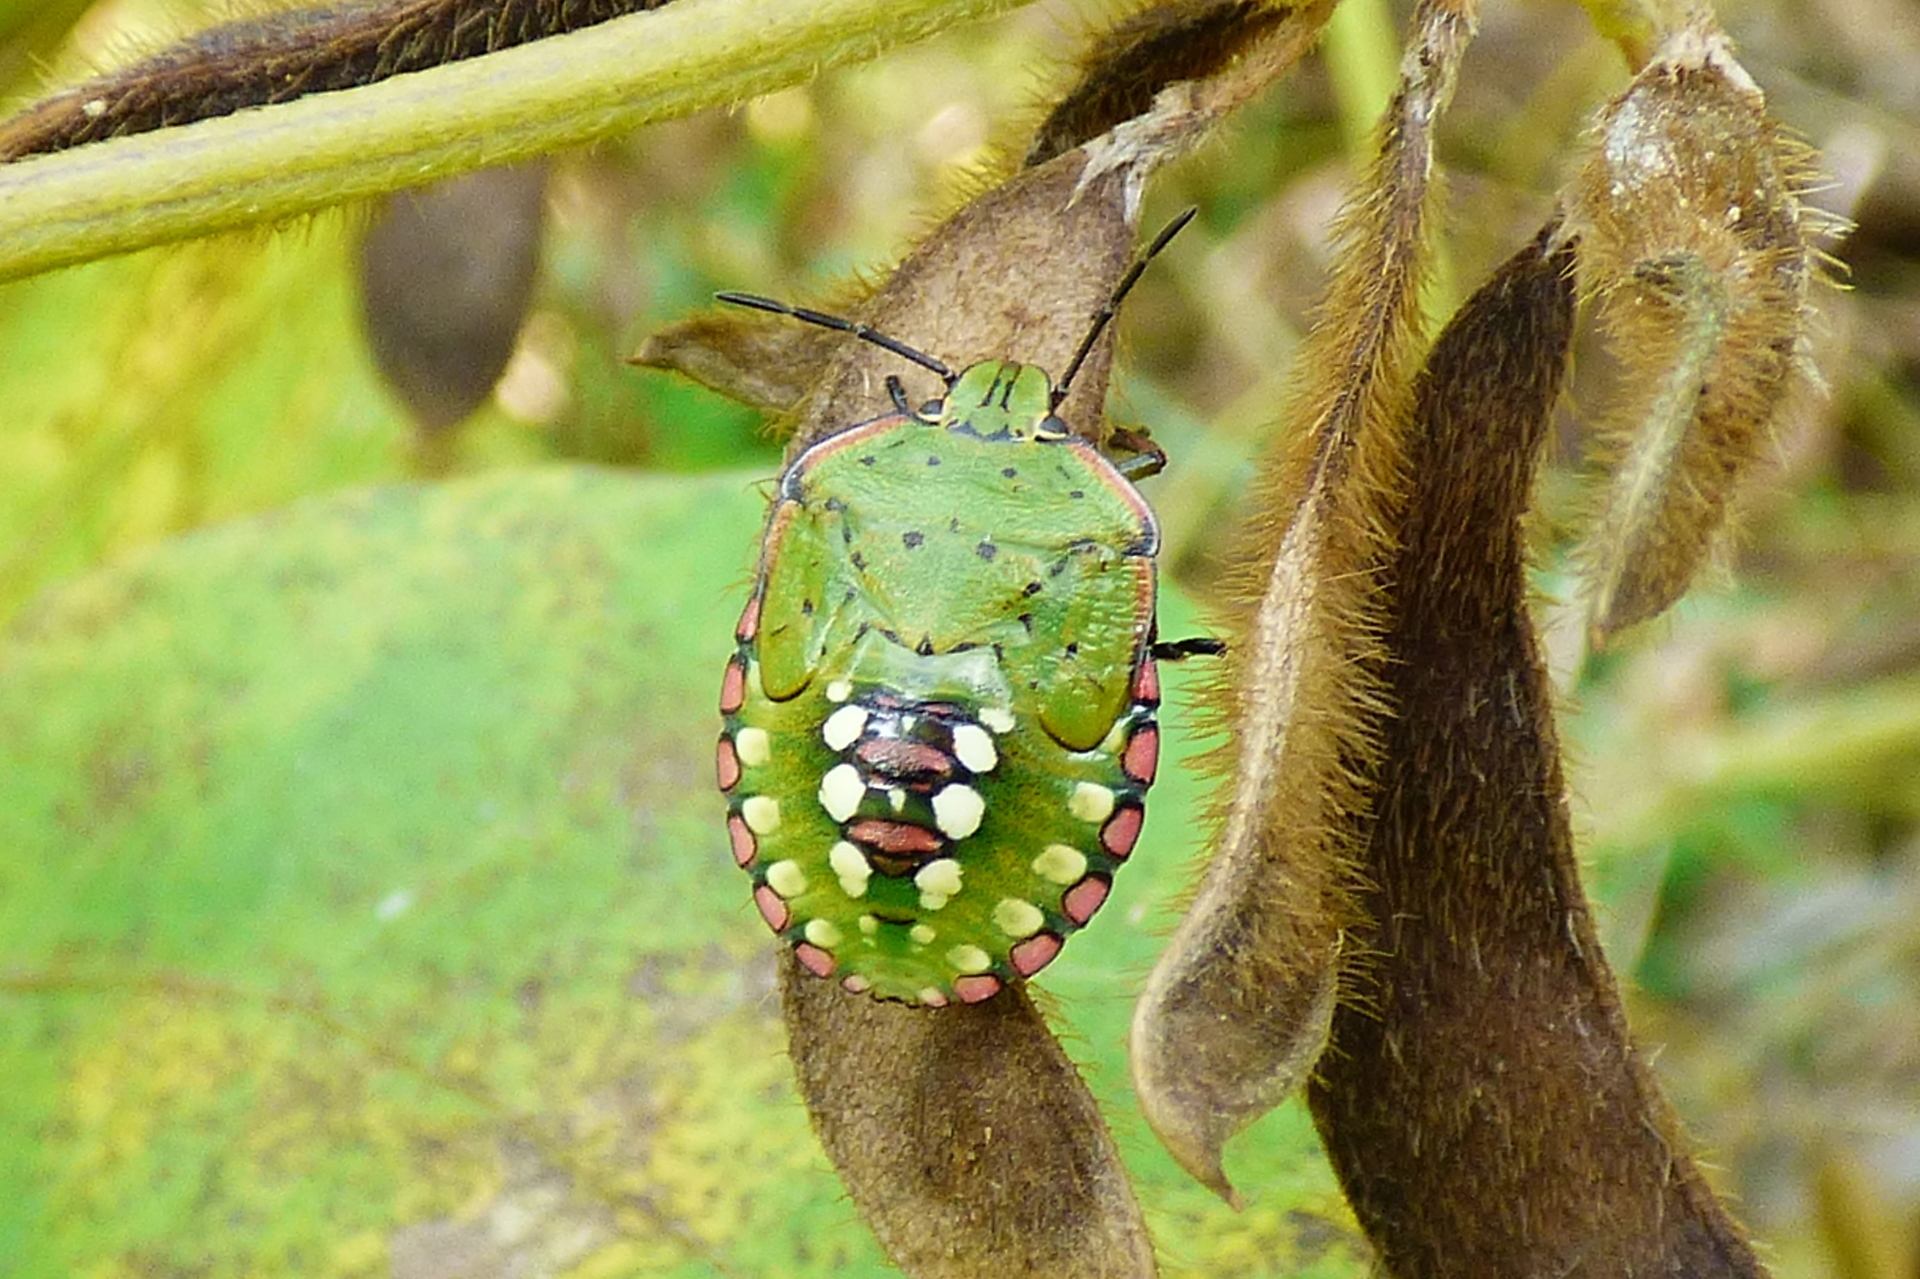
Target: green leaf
{"points": [[365, 909]]}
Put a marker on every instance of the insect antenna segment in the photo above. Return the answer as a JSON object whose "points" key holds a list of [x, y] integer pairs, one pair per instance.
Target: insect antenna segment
{"points": [[1105, 314], [840, 325]]}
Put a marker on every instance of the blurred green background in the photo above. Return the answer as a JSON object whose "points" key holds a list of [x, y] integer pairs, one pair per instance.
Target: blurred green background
{"points": [[334, 833]]}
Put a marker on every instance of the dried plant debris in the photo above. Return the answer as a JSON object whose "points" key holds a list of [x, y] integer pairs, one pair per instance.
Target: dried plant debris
{"points": [[1237, 1009], [1212, 56], [1696, 250], [279, 57], [1481, 1101], [1128, 64]]}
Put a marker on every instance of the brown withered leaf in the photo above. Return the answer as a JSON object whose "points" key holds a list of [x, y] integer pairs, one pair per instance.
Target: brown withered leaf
{"points": [[763, 363], [1693, 242], [1237, 1009], [1481, 1101]]}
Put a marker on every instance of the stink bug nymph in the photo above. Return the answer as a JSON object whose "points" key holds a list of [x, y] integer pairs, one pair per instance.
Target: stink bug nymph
{"points": [[940, 717]]}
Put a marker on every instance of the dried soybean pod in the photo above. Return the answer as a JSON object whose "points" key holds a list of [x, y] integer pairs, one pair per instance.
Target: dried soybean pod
{"points": [[1481, 1099], [1237, 1009], [278, 57], [1693, 244], [964, 1134]]}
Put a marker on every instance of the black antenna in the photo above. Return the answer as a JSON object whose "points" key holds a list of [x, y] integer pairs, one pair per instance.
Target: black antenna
{"points": [[839, 325], [1105, 314]]}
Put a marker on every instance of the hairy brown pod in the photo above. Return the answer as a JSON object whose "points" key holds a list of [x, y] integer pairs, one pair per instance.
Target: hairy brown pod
{"points": [[278, 57], [1482, 1100], [1237, 1009], [1694, 246]]}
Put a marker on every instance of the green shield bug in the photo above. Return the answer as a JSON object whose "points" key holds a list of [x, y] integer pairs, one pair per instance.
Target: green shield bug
{"points": [[940, 719]]}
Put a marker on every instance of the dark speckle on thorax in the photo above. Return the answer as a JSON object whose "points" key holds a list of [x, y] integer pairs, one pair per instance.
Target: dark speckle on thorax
{"points": [[912, 538], [986, 550]]}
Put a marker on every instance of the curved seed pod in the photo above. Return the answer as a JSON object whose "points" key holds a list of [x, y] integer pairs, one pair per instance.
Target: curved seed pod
{"points": [[964, 1135], [1237, 1009], [1695, 247], [446, 277], [279, 57], [1482, 1101]]}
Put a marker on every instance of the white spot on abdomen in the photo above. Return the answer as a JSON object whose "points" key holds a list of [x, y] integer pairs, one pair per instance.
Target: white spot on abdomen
{"points": [[851, 865], [840, 792], [787, 879], [1091, 802], [1017, 918], [973, 745], [753, 746], [761, 814], [958, 809], [843, 727]]}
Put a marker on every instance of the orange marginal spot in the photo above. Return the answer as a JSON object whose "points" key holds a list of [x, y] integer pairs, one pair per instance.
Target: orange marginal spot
{"points": [[1142, 756], [772, 908], [727, 763], [814, 960], [749, 620], [1084, 898], [733, 687], [1122, 830], [973, 990], [744, 846], [1035, 953], [1146, 683]]}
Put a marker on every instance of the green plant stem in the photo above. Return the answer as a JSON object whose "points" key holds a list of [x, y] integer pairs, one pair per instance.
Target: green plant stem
{"points": [[274, 163]]}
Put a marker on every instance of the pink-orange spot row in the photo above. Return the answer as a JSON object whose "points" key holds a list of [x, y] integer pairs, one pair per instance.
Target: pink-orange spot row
{"points": [[1035, 953], [1142, 756], [772, 908], [1084, 898], [1122, 830], [733, 687], [744, 845]]}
